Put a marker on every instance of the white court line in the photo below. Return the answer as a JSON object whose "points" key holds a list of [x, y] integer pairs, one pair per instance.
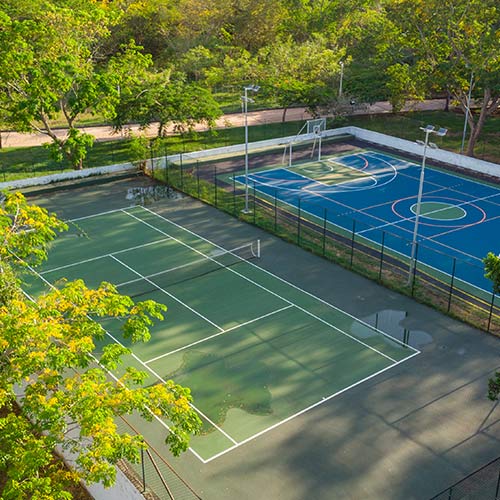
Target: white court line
{"points": [[284, 281], [292, 303], [455, 229], [431, 238], [103, 256], [97, 215], [416, 351], [314, 405], [217, 334], [288, 301], [167, 293], [156, 417]]}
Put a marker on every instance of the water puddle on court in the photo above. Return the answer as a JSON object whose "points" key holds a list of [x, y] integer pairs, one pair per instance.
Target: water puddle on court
{"points": [[391, 321]]}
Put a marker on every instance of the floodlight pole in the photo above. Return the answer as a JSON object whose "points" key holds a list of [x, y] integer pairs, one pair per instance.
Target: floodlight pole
{"points": [[245, 99], [428, 130], [341, 77]]}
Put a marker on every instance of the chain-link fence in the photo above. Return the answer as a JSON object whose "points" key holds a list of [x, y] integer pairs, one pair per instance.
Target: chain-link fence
{"points": [[334, 235], [153, 476], [482, 484]]}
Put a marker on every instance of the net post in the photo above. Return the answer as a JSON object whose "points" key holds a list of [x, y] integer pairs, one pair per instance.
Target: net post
{"points": [[258, 249]]}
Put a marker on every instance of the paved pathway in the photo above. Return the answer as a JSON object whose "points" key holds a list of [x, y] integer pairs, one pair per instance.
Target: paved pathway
{"points": [[15, 139]]}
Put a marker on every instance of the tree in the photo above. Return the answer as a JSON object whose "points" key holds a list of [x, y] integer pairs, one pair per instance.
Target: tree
{"points": [[442, 43], [167, 101], [68, 397], [492, 268], [50, 70], [304, 73]]}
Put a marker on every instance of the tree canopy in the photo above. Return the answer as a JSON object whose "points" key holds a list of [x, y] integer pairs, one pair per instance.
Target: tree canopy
{"points": [[48, 365], [128, 59]]}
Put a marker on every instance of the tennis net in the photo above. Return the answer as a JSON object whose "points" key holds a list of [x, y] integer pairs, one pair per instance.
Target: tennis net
{"points": [[217, 260]]}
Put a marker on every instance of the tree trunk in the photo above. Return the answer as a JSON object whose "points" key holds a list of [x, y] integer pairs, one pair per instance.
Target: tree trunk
{"points": [[447, 102], [284, 115], [488, 106]]}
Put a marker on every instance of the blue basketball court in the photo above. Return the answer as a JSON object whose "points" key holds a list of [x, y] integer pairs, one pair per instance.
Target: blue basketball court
{"points": [[375, 195]]}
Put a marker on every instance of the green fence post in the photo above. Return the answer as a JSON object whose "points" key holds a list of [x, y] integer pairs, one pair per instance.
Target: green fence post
{"points": [[234, 195], [275, 210], [324, 231], [151, 154], [143, 471], [298, 223], [414, 278], [381, 257], [352, 240], [215, 185], [198, 177], [182, 172], [166, 159], [452, 282], [254, 205], [491, 311]]}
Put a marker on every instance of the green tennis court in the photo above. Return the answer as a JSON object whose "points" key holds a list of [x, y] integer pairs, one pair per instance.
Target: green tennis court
{"points": [[255, 350]]}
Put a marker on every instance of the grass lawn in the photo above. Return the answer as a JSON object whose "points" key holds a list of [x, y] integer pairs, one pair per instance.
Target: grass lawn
{"points": [[17, 163], [406, 126]]}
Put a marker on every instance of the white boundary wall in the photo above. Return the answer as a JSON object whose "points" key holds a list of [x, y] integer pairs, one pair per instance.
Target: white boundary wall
{"points": [[123, 489], [67, 176], [441, 155], [454, 159]]}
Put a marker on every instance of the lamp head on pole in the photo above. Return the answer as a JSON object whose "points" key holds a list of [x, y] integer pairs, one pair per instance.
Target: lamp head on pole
{"points": [[428, 128], [253, 88]]}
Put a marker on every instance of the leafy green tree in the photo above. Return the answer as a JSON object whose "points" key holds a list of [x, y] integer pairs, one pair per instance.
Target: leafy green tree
{"points": [[48, 70], [492, 268], [67, 397], [304, 73], [442, 43], [167, 101]]}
